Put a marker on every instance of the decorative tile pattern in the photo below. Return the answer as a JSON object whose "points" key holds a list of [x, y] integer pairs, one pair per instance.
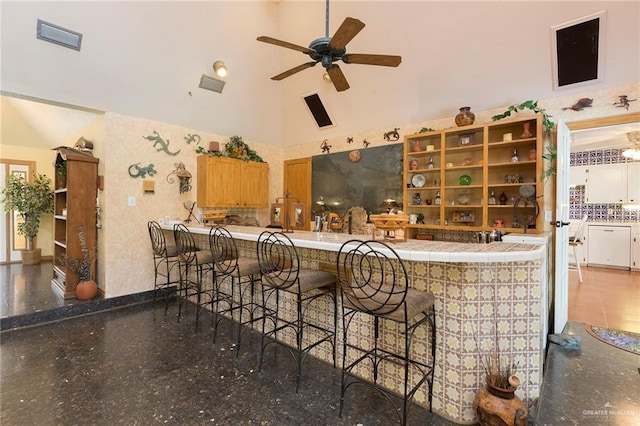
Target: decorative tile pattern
{"points": [[597, 212]]}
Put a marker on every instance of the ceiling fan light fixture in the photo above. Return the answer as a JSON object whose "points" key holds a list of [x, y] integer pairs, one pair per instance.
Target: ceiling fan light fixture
{"points": [[220, 69], [326, 77]]}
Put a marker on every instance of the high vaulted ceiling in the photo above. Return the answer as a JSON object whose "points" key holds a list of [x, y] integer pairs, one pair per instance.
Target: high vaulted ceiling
{"points": [[145, 59]]}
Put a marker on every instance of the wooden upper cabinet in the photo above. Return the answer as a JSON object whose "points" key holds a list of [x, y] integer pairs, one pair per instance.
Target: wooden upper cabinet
{"points": [[255, 184], [229, 182]]}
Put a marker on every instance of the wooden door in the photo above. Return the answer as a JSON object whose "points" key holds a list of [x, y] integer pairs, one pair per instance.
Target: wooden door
{"points": [[297, 181]]}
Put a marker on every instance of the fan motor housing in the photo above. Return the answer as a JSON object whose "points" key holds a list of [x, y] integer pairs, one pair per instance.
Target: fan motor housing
{"points": [[323, 53]]}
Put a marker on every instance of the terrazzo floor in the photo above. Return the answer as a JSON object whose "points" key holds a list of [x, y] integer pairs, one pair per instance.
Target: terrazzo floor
{"points": [[135, 366]]}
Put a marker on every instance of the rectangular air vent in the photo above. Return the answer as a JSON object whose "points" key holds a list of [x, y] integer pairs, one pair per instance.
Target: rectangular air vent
{"points": [[578, 51], [317, 110], [58, 35], [211, 83]]}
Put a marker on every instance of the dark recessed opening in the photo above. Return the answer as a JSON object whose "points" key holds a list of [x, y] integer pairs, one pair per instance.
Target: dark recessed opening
{"points": [[317, 110], [577, 52]]}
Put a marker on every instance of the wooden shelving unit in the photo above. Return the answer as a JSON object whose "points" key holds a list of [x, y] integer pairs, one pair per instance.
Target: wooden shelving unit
{"points": [[467, 163], [74, 208]]}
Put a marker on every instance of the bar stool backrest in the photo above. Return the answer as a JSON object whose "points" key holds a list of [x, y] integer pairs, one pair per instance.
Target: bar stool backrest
{"points": [[158, 240], [278, 259], [185, 243], [372, 276], [224, 250]]}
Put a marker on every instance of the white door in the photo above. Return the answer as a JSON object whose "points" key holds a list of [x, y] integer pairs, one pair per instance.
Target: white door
{"points": [[561, 293], [11, 242]]}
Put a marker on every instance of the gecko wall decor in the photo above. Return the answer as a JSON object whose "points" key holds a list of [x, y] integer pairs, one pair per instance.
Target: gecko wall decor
{"points": [[160, 144]]}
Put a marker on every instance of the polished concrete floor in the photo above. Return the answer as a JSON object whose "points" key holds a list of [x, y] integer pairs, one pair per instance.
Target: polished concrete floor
{"points": [[134, 365]]}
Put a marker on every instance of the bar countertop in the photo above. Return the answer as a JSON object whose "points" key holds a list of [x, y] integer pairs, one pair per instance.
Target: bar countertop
{"points": [[416, 250]]}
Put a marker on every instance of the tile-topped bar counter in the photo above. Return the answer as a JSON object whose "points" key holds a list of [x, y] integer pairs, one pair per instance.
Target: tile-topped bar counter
{"points": [[475, 286]]}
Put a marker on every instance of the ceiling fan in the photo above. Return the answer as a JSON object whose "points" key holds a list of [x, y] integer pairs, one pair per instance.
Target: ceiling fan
{"points": [[328, 50]]}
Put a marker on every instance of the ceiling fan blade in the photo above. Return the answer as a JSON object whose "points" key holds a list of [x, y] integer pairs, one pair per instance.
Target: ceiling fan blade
{"points": [[367, 59], [293, 70], [347, 31], [337, 78], [286, 44]]}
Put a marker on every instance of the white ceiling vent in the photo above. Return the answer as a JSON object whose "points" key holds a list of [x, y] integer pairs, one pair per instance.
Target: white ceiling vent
{"points": [[58, 35], [211, 83]]}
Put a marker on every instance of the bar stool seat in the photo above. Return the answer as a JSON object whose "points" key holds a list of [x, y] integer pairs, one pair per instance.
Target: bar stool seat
{"points": [[165, 264], [374, 283], [281, 273], [243, 272], [195, 265]]}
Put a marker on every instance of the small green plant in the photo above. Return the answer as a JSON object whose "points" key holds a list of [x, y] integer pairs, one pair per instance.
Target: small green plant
{"points": [[235, 148], [533, 106], [30, 201]]}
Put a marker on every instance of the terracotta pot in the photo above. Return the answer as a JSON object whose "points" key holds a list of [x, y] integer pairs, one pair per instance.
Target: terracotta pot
{"points": [[86, 290], [499, 407]]}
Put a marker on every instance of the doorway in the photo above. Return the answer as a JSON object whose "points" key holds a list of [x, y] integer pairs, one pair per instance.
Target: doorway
{"points": [[11, 243], [601, 134]]}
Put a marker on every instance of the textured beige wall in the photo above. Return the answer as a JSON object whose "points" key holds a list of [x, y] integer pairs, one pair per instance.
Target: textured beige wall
{"points": [[125, 254]]}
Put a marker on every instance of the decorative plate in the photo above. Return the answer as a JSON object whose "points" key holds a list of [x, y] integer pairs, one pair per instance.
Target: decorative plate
{"points": [[418, 181], [464, 180], [355, 156]]}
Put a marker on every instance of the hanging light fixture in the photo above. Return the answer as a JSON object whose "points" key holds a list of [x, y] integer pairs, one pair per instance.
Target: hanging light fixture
{"points": [[633, 151], [220, 69]]}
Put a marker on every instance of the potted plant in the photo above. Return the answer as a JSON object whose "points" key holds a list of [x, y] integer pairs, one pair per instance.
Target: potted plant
{"points": [[86, 288], [497, 401], [30, 200]]}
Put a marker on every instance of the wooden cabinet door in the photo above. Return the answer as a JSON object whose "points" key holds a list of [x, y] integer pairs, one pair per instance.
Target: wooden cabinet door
{"points": [[254, 187], [219, 181]]}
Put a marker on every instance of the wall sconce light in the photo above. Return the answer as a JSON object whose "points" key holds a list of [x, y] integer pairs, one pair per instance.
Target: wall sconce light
{"points": [[220, 69], [184, 177]]}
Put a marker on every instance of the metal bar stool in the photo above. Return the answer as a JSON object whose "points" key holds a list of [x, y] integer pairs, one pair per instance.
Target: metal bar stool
{"points": [[373, 281], [195, 264], [244, 273], [281, 273], [165, 264]]}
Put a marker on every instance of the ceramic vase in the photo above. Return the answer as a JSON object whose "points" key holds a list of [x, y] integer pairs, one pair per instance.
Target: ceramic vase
{"points": [[86, 290], [416, 146], [499, 407], [465, 117], [526, 131]]}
